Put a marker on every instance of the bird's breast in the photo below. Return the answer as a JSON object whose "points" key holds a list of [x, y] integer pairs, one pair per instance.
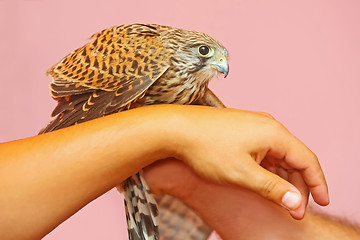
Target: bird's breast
{"points": [[175, 91]]}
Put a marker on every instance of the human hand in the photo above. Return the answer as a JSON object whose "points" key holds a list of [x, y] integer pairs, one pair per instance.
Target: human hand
{"points": [[233, 212], [229, 145]]}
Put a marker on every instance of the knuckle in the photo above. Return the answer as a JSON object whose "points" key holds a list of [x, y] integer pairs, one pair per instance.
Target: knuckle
{"points": [[270, 121], [274, 128], [269, 187], [267, 115], [315, 157], [277, 127]]}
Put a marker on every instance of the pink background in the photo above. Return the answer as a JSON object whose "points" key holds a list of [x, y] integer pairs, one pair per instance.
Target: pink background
{"points": [[298, 60]]}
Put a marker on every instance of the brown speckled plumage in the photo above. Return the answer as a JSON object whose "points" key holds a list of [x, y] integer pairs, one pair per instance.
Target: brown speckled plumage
{"points": [[142, 63]]}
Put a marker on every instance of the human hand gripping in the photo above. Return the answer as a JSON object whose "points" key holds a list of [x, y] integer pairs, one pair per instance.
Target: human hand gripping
{"points": [[246, 148]]}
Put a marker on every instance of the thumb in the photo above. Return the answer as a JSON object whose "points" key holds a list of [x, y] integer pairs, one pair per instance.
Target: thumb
{"points": [[272, 187]]}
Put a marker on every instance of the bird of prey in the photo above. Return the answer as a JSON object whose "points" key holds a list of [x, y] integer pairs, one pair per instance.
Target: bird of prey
{"points": [[135, 64]]}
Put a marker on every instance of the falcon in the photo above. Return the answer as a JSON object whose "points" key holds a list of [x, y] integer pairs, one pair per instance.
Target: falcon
{"points": [[137, 64]]}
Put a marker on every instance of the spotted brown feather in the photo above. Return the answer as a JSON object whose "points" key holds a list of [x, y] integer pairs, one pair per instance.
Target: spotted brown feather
{"points": [[114, 60]]}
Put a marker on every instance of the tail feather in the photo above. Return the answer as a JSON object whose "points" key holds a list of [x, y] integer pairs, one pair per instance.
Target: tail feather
{"points": [[151, 202], [178, 221], [141, 209]]}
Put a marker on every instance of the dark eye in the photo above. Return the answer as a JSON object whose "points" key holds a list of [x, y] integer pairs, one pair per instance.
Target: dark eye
{"points": [[205, 51]]}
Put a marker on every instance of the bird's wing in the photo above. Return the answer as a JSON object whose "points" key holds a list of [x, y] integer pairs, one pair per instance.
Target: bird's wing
{"points": [[110, 72], [125, 59]]}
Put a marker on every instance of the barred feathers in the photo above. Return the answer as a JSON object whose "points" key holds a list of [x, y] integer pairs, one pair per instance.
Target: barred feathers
{"points": [[141, 209]]}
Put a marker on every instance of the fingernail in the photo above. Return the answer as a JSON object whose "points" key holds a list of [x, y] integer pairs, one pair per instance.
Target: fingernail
{"points": [[291, 200]]}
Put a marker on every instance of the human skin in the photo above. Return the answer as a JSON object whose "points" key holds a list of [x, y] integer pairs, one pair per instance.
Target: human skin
{"points": [[237, 213], [46, 179]]}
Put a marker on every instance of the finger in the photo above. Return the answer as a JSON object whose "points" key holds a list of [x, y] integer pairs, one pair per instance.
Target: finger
{"points": [[295, 178], [318, 189], [297, 156], [307, 162], [284, 174], [270, 186]]}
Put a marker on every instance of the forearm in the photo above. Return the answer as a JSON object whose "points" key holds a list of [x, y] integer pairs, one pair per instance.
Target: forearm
{"points": [[320, 227], [46, 179]]}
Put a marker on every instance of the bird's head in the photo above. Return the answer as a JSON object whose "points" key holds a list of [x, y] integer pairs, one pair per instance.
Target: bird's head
{"points": [[197, 54]]}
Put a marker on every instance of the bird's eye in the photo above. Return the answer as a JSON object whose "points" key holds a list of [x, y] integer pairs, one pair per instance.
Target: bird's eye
{"points": [[205, 51]]}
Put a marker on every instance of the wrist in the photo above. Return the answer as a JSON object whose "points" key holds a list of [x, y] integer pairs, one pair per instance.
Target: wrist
{"points": [[169, 127], [154, 128]]}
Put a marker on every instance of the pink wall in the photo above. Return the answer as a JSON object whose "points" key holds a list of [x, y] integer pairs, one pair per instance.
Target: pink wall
{"points": [[298, 60]]}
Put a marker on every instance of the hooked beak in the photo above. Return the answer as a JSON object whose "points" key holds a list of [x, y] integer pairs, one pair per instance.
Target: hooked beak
{"points": [[222, 66]]}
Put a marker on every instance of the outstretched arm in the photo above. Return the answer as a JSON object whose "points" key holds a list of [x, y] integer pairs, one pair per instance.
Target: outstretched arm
{"points": [[47, 178]]}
